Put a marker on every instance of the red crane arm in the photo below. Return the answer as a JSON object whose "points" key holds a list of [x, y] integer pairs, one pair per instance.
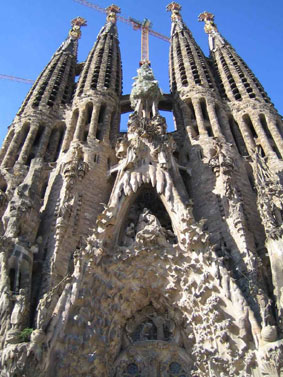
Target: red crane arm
{"points": [[13, 78], [158, 35], [130, 21], [91, 5]]}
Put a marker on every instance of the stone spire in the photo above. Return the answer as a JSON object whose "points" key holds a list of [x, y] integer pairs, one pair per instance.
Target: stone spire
{"points": [[192, 83], [55, 84], [102, 70], [257, 119], [38, 123], [188, 66], [100, 83]]}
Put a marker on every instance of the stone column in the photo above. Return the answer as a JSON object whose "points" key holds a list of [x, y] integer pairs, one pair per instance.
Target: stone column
{"points": [[199, 117], [271, 122], [80, 125], [24, 154], [94, 120], [246, 133], [44, 142], [107, 122], [264, 141], [115, 129], [70, 131], [11, 154], [214, 120], [6, 143], [226, 127], [186, 113]]}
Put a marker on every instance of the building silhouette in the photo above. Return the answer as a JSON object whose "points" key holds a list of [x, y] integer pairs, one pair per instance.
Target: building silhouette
{"points": [[143, 253]]}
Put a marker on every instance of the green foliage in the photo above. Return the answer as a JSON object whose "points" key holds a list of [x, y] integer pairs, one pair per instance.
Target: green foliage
{"points": [[25, 334]]}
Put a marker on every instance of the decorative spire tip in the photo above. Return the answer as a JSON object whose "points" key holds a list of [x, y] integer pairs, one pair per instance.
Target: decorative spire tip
{"points": [[208, 19], [77, 23], [112, 11], [173, 7]]}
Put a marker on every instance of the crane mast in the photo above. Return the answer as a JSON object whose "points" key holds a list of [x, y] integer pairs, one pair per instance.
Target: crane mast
{"points": [[144, 43]]}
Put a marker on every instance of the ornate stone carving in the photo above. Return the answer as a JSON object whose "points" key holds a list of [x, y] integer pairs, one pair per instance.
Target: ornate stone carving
{"points": [[269, 196], [145, 94], [77, 23]]}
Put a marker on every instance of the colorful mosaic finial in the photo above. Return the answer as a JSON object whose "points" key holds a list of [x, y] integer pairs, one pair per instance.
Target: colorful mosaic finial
{"points": [[208, 19], [112, 11], [77, 23]]}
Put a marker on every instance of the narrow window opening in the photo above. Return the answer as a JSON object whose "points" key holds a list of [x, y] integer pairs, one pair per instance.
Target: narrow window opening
{"points": [[73, 124], [192, 110], [89, 110], [43, 190], [30, 157], [251, 181], [101, 114], [114, 125], [12, 276], [60, 141], [264, 125], [261, 151], [38, 136], [204, 109], [20, 282], [249, 123], [209, 130], [99, 133], [219, 118], [3, 186], [86, 133], [275, 149], [239, 141]]}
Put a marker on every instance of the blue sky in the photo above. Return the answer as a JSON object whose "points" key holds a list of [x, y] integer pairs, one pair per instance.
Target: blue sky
{"points": [[33, 30]]}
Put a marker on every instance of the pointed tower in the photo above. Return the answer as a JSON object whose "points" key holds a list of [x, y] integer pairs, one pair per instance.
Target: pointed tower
{"points": [[192, 83], [253, 113], [37, 134], [95, 112], [38, 130], [87, 155], [206, 122]]}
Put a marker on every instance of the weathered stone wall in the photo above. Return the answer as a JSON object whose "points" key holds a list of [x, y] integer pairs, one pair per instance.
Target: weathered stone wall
{"points": [[142, 253]]}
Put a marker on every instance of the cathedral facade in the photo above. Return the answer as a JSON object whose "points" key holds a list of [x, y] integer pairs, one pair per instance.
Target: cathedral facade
{"points": [[143, 253]]}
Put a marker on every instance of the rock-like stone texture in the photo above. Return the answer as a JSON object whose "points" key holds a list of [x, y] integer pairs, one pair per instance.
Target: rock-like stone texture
{"points": [[143, 253]]}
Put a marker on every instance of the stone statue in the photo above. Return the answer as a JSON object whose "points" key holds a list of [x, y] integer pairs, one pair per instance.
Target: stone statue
{"points": [[20, 311], [145, 94]]}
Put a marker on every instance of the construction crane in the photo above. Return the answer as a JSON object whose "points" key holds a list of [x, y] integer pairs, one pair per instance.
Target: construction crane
{"points": [[144, 26], [18, 79]]}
